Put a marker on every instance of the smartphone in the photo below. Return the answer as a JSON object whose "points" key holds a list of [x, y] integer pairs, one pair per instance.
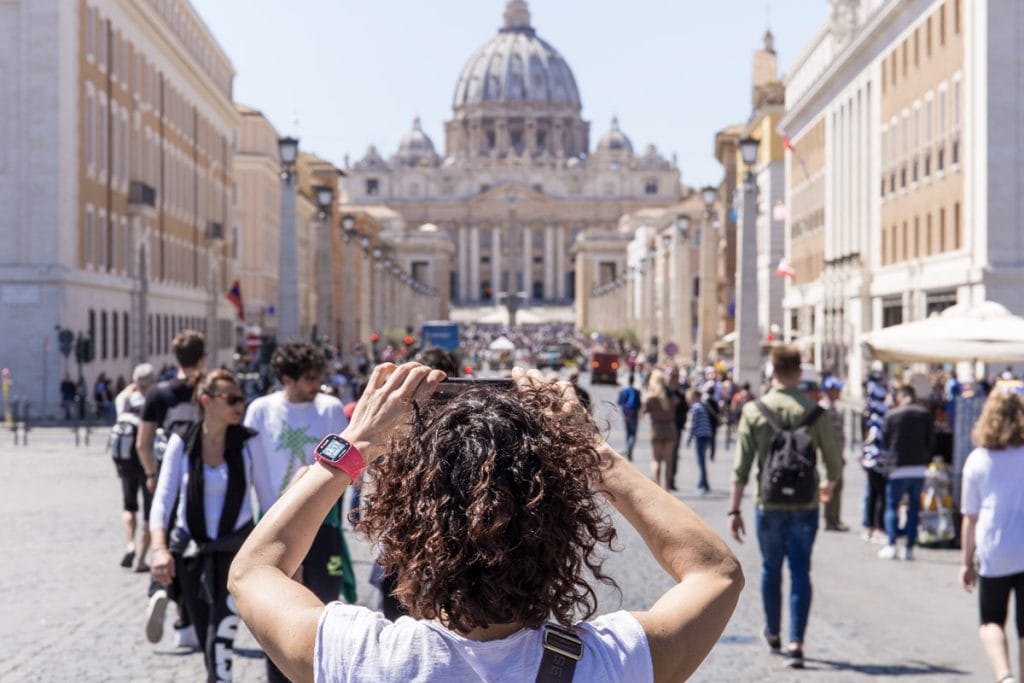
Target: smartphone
{"points": [[453, 386]]}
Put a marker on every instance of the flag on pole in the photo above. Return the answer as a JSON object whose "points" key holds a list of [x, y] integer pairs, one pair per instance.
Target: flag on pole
{"points": [[787, 144], [235, 297], [785, 269]]}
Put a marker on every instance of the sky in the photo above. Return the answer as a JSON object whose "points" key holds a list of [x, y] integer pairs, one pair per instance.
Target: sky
{"points": [[345, 74]]}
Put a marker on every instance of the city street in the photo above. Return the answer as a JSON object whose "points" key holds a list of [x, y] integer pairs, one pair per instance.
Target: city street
{"points": [[71, 614]]}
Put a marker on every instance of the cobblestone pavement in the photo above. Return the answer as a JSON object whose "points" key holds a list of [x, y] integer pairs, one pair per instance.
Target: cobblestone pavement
{"points": [[71, 614]]}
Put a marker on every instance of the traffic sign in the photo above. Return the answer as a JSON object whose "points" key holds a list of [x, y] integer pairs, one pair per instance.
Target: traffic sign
{"points": [[253, 342], [671, 349], [65, 340]]}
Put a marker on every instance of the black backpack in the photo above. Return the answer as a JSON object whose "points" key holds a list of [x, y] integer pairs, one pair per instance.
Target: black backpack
{"points": [[788, 475]]}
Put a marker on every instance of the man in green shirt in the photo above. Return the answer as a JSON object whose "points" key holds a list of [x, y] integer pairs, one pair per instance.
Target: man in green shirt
{"points": [[784, 531]]}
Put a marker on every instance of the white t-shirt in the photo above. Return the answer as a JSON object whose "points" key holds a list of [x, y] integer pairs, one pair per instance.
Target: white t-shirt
{"points": [[173, 483], [288, 433], [354, 643], [993, 490]]}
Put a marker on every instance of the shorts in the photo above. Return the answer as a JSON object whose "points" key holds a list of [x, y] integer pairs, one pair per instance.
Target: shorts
{"points": [[131, 483], [994, 599]]}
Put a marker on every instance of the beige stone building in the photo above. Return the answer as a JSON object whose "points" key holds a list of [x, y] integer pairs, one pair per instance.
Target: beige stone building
{"points": [[115, 181], [906, 117], [517, 182]]}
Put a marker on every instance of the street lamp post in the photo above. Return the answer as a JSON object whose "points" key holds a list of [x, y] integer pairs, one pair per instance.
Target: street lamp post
{"points": [[748, 334], [324, 276], [288, 256], [349, 330], [683, 290], [707, 298]]}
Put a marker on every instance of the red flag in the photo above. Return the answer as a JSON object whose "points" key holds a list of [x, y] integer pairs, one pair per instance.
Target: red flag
{"points": [[235, 297], [785, 269]]}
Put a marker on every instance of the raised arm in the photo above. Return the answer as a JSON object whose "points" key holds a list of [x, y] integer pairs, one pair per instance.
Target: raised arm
{"points": [[685, 623], [282, 614]]}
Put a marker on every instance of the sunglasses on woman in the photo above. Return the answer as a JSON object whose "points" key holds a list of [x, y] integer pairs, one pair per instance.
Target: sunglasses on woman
{"points": [[230, 399]]}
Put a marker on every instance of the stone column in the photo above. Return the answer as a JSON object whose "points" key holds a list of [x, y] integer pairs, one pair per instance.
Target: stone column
{"points": [[527, 262], [462, 264], [496, 264], [560, 262], [748, 335], [707, 311], [549, 263], [474, 263]]}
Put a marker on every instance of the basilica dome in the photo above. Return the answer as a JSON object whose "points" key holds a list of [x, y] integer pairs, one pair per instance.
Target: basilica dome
{"points": [[615, 140], [517, 66], [416, 147]]}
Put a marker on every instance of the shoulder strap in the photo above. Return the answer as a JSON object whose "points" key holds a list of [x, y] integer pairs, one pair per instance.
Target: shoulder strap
{"points": [[768, 415], [811, 417], [562, 650]]}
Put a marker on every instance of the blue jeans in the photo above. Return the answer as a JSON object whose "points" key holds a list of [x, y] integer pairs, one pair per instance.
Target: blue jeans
{"points": [[894, 490], [786, 534], [631, 421], [703, 444]]}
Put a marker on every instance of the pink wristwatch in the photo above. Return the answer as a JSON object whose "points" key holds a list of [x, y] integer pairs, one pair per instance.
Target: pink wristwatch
{"points": [[340, 454]]}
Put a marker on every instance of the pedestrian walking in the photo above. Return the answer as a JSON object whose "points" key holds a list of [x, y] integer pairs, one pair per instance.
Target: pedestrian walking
{"points": [[679, 390], [714, 411], [102, 396], [833, 387], [735, 407], [874, 458], [786, 502], [129, 405], [207, 472], [289, 423], [471, 513], [660, 405], [629, 404], [170, 410], [908, 436], [67, 395], [993, 526], [701, 434]]}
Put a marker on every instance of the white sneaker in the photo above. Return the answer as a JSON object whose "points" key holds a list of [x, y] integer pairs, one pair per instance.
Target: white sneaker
{"points": [[908, 554], [155, 616], [887, 553], [186, 637]]}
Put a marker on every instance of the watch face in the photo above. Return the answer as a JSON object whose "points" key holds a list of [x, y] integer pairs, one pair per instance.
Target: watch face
{"points": [[333, 447]]}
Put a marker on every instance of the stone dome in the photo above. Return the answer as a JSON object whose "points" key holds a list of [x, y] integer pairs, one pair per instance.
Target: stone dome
{"points": [[615, 140], [517, 66], [416, 146]]}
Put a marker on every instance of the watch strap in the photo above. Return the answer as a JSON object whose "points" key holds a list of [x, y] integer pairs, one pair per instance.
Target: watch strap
{"points": [[351, 463]]}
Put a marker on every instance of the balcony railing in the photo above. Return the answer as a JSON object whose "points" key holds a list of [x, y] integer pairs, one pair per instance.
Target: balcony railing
{"points": [[142, 194]]}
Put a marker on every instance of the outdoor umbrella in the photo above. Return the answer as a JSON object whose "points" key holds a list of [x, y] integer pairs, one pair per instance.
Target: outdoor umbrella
{"points": [[984, 332], [502, 344]]}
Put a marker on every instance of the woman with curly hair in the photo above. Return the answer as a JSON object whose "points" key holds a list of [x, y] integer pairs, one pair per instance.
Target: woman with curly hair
{"points": [[993, 525], [488, 505]]}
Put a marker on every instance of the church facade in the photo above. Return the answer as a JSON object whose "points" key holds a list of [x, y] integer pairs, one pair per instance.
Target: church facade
{"points": [[517, 182]]}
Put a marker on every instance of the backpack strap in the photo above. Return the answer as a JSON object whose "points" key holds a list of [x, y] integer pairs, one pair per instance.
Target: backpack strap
{"points": [[769, 416], [811, 417], [562, 649]]}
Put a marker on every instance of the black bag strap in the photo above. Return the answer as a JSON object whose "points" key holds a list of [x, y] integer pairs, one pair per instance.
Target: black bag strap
{"points": [[769, 416], [811, 417], [562, 649]]}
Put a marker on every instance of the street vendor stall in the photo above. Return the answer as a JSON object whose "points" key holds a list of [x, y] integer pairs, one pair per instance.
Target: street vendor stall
{"points": [[980, 333]]}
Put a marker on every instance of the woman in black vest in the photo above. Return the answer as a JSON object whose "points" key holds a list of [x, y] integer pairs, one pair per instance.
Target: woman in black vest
{"points": [[208, 471]]}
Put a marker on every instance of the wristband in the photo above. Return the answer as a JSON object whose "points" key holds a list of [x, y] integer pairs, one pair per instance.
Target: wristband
{"points": [[151, 475], [734, 513], [341, 454]]}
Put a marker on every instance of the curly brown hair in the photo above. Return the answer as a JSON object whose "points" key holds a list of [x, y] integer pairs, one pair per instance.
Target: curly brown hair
{"points": [[1001, 424], [486, 513]]}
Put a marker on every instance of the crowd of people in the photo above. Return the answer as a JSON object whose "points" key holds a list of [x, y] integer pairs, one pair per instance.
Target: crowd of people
{"points": [[203, 461]]}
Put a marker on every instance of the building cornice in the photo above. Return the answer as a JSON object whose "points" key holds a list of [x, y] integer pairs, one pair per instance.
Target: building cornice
{"points": [[878, 32]]}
